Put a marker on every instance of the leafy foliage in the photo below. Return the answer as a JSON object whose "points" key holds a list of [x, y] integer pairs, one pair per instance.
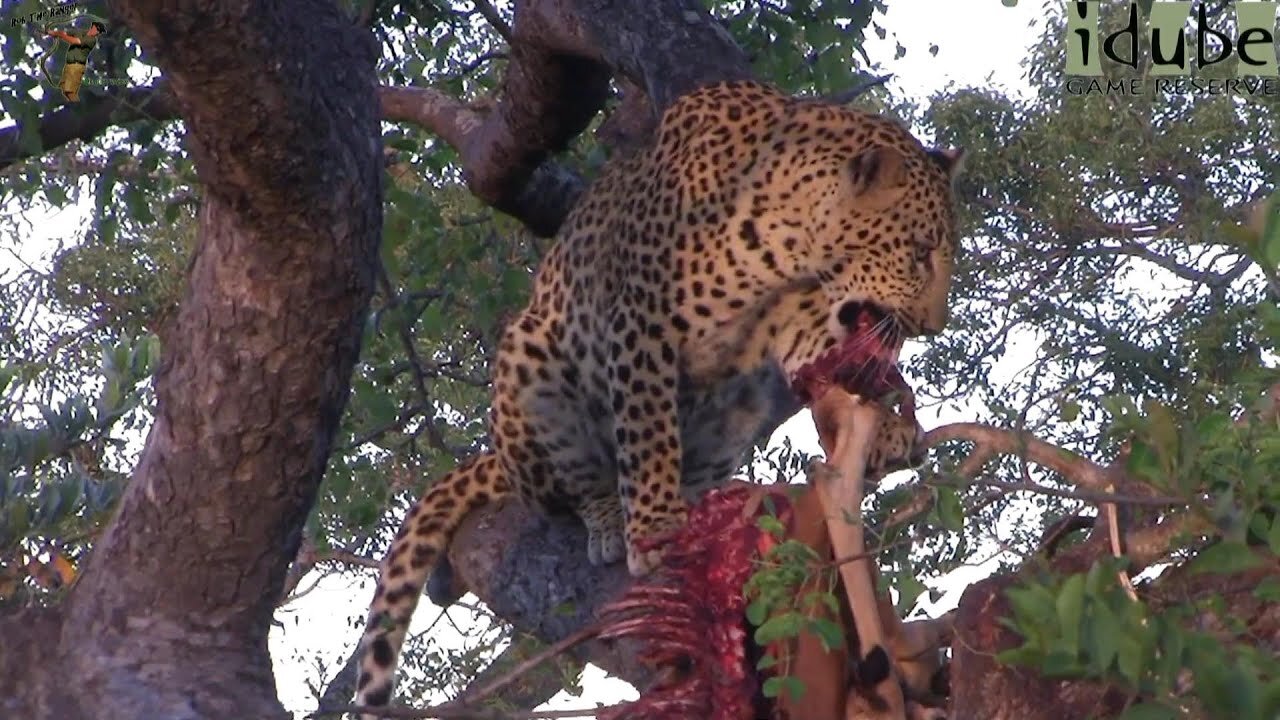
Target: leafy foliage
{"points": [[54, 488], [781, 609], [1085, 626]]}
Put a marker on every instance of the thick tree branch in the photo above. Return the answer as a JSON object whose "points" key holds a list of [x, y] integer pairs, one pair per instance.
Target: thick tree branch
{"points": [[533, 572], [667, 47], [557, 79], [991, 441], [550, 92], [88, 119], [1096, 498], [541, 203], [255, 372]]}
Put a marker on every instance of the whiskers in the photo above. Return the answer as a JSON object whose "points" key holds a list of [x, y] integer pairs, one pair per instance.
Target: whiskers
{"points": [[886, 331], [874, 351]]}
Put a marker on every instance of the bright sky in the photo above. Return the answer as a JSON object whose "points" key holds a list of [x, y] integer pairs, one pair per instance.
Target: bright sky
{"points": [[981, 42]]}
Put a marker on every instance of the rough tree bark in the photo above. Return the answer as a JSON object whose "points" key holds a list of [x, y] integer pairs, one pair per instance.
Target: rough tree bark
{"points": [[170, 616]]}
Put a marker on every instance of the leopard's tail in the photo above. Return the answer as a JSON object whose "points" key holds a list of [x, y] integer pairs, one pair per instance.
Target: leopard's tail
{"points": [[417, 548]]}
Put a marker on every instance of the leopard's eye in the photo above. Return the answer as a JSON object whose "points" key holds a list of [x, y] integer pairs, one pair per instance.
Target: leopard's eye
{"points": [[920, 252]]}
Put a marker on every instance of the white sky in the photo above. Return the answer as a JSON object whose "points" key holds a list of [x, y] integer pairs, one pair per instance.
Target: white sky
{"points": [[981, 42]]}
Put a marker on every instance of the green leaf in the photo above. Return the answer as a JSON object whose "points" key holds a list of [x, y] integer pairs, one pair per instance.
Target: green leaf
{"points": [[950, 511], [29, 135], [1059, 664], [1163, 431], [1169, 662], [138, 205], [18, 520], [771, 525], [1025, 656], [1070, 410], [1268, 590], [56, 195], [107, 230], [364, 513], [766, 662], [1129, 657], [1070, 612], [785, 625], [1034, 605], [1143, 462], [1103, 636], [775, 686], [830, 633], [1245, 691], [1269, 315], [1271, 699], [757, 611], [1227, 556], [909, 589], [1243, 238]]}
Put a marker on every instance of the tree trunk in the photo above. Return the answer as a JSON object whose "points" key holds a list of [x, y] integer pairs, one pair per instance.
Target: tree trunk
{"points": [[170, 616]]}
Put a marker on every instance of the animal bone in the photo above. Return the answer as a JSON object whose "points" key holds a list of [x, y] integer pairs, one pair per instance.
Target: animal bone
{"points": [[846, 426]]}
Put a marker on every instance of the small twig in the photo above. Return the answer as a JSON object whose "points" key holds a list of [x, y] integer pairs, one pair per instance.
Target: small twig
{"points": [[478, 61], [302, 564], [845, 97], [347, 557], [491, 14], [1097, 498], [396, 424], [538, 658], [434, 437], [1054, 534], [1117, 546]]}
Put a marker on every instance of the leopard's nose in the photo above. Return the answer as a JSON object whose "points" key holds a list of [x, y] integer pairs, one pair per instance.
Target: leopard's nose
{"points": [[847, 315]]}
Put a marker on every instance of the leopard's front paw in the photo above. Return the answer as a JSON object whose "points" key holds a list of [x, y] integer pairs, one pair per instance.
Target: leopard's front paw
{"points": [[646, 536], [605, 530]]}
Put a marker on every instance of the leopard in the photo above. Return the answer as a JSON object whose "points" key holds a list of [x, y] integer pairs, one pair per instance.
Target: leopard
{"points": [[688, 288]]}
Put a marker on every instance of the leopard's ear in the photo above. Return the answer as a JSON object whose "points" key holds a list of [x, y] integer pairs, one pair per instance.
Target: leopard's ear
{"points": [[951, 160], [879, 176]]}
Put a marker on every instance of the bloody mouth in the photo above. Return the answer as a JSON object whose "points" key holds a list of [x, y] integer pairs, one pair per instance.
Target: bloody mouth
{"points": [[865, 363]]}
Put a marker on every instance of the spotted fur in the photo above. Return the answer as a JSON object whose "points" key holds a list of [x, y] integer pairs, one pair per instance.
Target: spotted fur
{"points": [[687, 286]]}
